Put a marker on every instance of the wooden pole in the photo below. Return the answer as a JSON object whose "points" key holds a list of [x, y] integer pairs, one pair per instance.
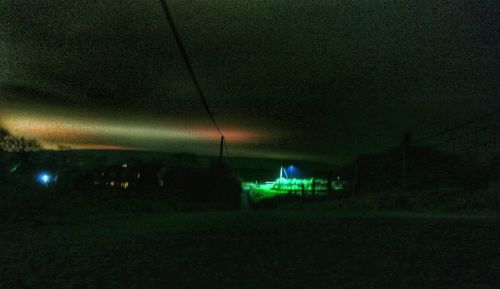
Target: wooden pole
{"points": [[221, 151]]}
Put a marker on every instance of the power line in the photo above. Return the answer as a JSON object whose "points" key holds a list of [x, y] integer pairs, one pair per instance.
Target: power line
{"points": [[459, 126], [188, 63]]}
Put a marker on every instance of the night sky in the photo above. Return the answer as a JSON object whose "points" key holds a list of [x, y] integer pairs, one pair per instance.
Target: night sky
{"points": [[323, 80]]}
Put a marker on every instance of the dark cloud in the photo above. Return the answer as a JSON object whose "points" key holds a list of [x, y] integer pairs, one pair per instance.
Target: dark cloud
{"points": [[337, 78]]}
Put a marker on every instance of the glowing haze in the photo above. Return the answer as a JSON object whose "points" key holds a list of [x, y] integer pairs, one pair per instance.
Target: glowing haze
{"points": [[77, 129], [287, 78]]}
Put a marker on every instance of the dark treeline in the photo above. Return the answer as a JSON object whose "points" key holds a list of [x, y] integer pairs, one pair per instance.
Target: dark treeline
{"points": [[407, 177], [423, 177], [36, 181], [180, 176]]}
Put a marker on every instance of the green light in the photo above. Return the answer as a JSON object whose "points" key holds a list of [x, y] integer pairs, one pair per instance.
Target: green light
{"points": [[284, 185], [14, 168]]}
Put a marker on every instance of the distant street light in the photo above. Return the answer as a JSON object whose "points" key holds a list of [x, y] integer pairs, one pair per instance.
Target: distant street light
{"points": [[291, 169], [44, 178]]}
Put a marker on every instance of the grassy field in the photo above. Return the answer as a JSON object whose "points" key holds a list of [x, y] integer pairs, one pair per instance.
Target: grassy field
{"points": [[252, 249]]}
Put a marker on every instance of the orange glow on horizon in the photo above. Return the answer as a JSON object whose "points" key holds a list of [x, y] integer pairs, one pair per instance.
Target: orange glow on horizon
{"points": [[89, 133], [98, 147], [235, 135]]}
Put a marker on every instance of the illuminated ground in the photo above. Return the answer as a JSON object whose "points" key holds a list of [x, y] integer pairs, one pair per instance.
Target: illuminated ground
{"points": [[252, 249], [282, 186]]}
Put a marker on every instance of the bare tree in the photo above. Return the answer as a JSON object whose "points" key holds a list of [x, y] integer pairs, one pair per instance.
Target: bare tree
{"points": [[17, 150], [13, 144], [3, 133]]}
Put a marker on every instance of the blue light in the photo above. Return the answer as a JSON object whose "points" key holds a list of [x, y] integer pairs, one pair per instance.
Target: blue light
{"points": [[44, 178], [292, 171]]}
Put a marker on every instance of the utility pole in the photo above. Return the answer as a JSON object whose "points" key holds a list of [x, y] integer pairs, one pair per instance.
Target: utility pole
{"points": [[191, 71], [221, 151]]}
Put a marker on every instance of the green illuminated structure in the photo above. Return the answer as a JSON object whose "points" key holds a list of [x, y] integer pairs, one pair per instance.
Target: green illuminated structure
{"points": [[288, 185]]}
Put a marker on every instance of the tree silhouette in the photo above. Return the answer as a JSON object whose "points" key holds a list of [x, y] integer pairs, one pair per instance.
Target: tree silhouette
{"points": [[16, 153], [3, 133], [20, 145]]}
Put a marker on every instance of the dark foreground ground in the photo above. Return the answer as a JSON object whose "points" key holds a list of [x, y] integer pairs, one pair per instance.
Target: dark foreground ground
{"points": [[252, 249]]}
